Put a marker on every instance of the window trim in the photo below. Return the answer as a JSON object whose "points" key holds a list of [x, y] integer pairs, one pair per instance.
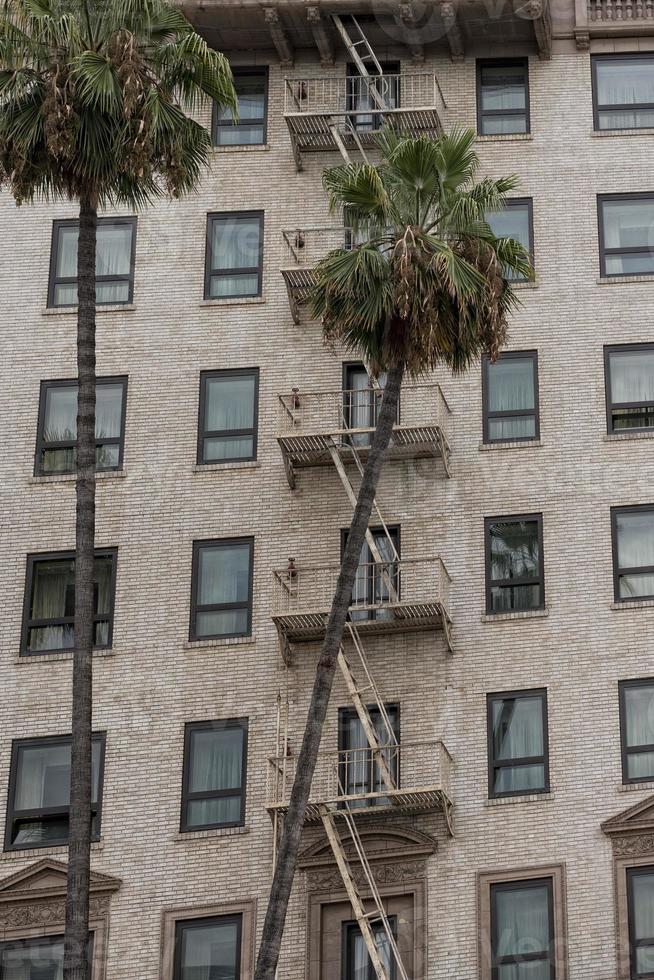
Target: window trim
{"points": [[518, 202], [243, 72], [639, 570], [346, 714], [219, 607], [543, 760], [611, 406], [503, 63], [393, 529], [53, 282], [504, 886], [210, 272], [202, 922], [41, 445], [488, 416], [17, 743], [631, 250], [203, 434], [349, 928], [596, 59], [524, 580], [28, 623], [188, 796], [625, 750]]}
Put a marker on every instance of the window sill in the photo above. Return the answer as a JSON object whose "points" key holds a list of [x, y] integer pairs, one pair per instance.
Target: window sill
{"points": [[486, 447], [72, 310], [65, 655], [250, 464], [631, 787], [636, 604], [242, 148], [71, 477], [613, 280], [505, 616], [233, 301], [622, 436], [505, 138], [527, 798], [526, 284], [602, 133], [34, 853], [228, 641], [211, 834]]}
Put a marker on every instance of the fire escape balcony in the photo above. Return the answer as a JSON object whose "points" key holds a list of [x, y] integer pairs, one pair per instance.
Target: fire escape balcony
{"points": [[352, 777], [314, 424], [305, 247]]}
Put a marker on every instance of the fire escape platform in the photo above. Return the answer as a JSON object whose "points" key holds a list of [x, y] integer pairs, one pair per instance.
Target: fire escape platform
{"points": [[407, 442], [313, 132]]}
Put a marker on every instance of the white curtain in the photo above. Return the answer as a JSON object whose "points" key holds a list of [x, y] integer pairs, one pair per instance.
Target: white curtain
{"points": [[235, 245], [629, 225], [250, 90], [643, 920], [209, 952], [362, 774], [523, 926], [216, 764], [511, 388], [224, 577], [35, 962], [229, 405], [113, 258], [632, 376], [52, 598], [621, 84], [518, 734], [360, 97], [502, 89], [639, 724], [635, 533], [361, 965]]}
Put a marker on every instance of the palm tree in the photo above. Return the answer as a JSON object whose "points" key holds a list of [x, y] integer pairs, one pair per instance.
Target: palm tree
{"points": [[428, 287], [94, 96]]}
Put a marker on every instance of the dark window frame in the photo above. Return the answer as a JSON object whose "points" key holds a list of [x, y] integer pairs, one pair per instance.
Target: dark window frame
{"points": [[346, 714], [612, 406], [596, 59], [393, 529], [536, 760], [216, 124], [625, 749], [634, 943], [53, 281], [221, 606], [629, 250], [524, 580], [481, 114], [28, 623], [41, 444], [488, 416], [515, 885], [349, 929], [513, 203], [210, 272], [203, 433], [202, 922], [41, 812], [638, 570], [189, 797], [376, 115]]}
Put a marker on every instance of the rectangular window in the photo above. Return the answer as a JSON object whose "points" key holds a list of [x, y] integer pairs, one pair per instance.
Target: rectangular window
{"points": [[514, 220], [234, 255], [208, 947], [626, 234], [514, 564], [633, 553], [57, 428], [522, 930], [637, 730], [375, 581], [228, 415], [640, 902], [517, 743], [502, 97], [39, 791], [370, 92], [357, 964], [359, 773], [221, 601], [510, 397], [215, 766], [251, 86], [629, 379], [361, 402], [623, 91], [114, 263], [49, 614]]}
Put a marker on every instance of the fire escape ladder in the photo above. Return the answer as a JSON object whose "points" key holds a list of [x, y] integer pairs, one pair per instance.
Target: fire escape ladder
{"points": [[360, 52]]}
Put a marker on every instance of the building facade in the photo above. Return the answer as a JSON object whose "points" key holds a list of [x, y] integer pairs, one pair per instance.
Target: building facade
{"points": [[508, 614]]}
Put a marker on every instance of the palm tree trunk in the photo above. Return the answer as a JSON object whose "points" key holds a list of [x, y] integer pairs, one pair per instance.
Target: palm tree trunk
{"points": [[76, 963], [273, 926]]}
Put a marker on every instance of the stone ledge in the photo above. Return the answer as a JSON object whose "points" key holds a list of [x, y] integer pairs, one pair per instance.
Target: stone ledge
{"points": [[601, 133], [71, 477], [636, 604], [211, 834], [486, 447], [506, 616], [72, 310], [65, 655], [622, 436], [242, 148], [34, 853], [632, 787], [233, 301], [249, 464], [226, 642], [505, 138], [613, 280], [527, 798], [526, 284]]}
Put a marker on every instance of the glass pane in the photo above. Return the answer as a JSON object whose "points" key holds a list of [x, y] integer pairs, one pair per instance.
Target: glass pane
{"points": [[625, 81], [224, 623], [57, 461], [523, 922], [224, 574], [107, 457], [519, 779], [627, 119], [637, 586], [235, 243], [112, 292], [510, 429], [639, 715], [53, 597], [517, 727], [43, 638], [531, 970], [635, 264], [239, 135], [228, 447], [511, 384], [503, 87], [511, 222], [60, 420], [515, 598], [632, 375], [515, 549], [216, 759], [503, 125], [229, 403], [635, 535], [645, 960], [108, 411], [66, 265], [640, 765], [33, 959], [633, 418], [210, 951], [628, 224], [223, 810], [43, 775], [114, 251], [251, 92], [643, 906], [30, 832], [234, 286]]}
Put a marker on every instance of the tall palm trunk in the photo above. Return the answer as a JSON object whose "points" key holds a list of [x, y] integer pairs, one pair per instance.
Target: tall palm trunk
{"points": [[273, 926], [76, 964]]}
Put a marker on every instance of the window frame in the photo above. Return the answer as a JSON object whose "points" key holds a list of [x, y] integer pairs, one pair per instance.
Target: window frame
{"points": [[216, 125], [632, 872], [611, 406], [630, 250], [221, 606], [513, 885], [188, 796], [210, 272], [493, 764], [639, 570], [40, 812], [488, 416], [204, 434], [345, 715], [53, 281], [498, 583], [349, 928], [28, 623], [596, 59], [625, 749], [395, 532], [199, 923], [502, 63], [41, 444], [519, 202]]}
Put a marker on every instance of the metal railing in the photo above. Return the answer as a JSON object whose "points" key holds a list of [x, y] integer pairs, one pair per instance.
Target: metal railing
{"points": [[305, 247], [358, 96], [620, 10]]}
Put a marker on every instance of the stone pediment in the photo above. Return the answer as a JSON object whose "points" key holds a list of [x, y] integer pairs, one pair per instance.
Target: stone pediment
{"points": [[637, 819], [46, 879], [389, 844]]}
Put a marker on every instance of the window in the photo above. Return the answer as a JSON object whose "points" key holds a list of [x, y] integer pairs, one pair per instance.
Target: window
{"points": [[359, 773], [623, 91], [208, 947], [365, 93], [522, 930], [221, 603], [629, 376], [215, 767], [640, 902], [626, 234], [357, 964], [375, 581], [251, 86], [514, 564], [517, 743], [26, 959], [229, 407], [57, 430], [633, 553], [49, 616], [502, 97], [39, 791], [637, 730], [234, 255], [114, 264], [514, 220], [510, 397], [361, 402]]}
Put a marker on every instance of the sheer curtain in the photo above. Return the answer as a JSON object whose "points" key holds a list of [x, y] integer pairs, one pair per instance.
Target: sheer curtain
{"points": [[229, 405], [635, 534], [518, 734], [114, 258], [362, 773], [523, 927], [639, 724], [52, 598], [361, 967], [216, 764], [224, 577], [235, 245], [632, 376], [511, 388], [360, 98], [629, 225], [37, 962], [209, 952], [622, 84], [643, 924]]}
